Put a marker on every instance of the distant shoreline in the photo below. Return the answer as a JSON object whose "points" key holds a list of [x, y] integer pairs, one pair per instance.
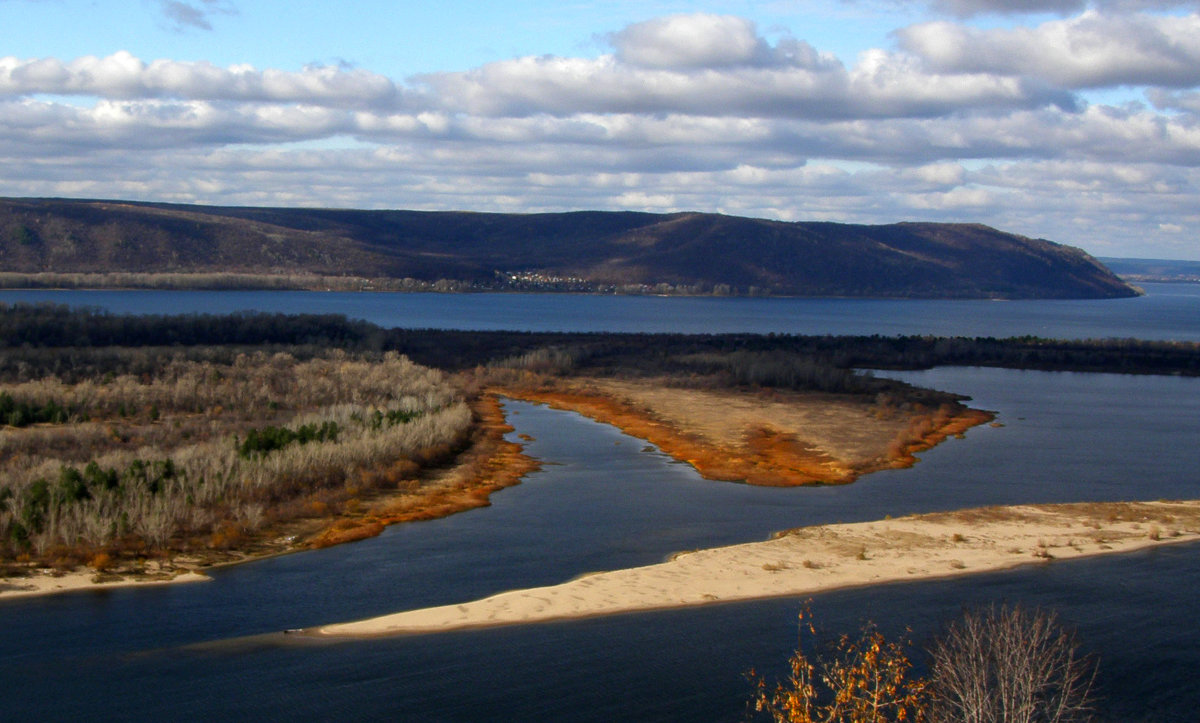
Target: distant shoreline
{"points": [[818, 559], [238, 281]]}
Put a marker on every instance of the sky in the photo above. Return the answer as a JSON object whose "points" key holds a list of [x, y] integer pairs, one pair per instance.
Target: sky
{"points": [[1072, 120]]}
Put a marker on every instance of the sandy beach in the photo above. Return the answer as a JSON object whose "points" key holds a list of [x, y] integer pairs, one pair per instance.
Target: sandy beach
{"points": [[811, 560]]}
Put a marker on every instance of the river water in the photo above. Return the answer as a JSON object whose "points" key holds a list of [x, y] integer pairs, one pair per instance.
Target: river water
{"points": [[604, 501], [1167, 311]]}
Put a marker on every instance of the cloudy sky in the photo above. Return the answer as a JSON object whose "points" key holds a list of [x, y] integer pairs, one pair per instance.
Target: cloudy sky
{"points": [[1073, 120]]}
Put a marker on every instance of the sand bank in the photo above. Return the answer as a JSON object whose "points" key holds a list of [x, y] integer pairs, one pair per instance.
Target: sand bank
{"points": [[45, 583], [810, 560]]}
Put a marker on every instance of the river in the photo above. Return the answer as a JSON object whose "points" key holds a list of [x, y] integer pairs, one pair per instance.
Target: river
{"points": [[603, 501], [1167, 311]]}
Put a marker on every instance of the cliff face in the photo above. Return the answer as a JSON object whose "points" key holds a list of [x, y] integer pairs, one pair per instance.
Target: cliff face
{"points": [[594, 249]]}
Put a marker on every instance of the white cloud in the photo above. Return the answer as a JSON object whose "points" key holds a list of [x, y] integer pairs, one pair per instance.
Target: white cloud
{"points": [[690, 41], [122, 75], [702, 40], [1089, 51], [881, 85]]}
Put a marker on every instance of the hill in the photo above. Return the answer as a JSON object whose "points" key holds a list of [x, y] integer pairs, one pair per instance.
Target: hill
{"points": [[577, 251]]}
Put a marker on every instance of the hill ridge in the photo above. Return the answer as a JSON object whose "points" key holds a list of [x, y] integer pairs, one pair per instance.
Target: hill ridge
{"points": [[683, 252]]}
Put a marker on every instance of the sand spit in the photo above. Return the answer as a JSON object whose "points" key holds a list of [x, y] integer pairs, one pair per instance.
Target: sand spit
{"points": [[810, 560]]}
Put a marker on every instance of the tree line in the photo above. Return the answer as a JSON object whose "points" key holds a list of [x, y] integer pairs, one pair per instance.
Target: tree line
{"points": [[27, 328]]}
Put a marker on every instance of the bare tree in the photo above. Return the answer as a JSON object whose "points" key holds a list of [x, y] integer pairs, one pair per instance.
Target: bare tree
{"points": [[1009, 665]]}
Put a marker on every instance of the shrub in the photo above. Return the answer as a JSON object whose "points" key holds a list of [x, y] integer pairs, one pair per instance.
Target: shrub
{"points": [[861, 679]]}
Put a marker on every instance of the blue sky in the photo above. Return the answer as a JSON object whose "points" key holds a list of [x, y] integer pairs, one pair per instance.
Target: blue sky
{"points": [[1070, 120], [398, 38]]}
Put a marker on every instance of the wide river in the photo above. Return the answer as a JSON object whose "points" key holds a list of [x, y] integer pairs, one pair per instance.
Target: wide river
{"points": [[1167, 311], [213, 651]]}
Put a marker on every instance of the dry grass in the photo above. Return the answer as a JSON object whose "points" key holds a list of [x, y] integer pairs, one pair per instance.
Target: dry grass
{"points": [[158, 469]]}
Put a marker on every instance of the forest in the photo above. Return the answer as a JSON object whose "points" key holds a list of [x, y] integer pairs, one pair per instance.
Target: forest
{"points": [[77, 343]]}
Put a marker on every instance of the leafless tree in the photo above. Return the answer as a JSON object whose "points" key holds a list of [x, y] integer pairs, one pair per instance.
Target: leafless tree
{"points": [[1010, 665]]}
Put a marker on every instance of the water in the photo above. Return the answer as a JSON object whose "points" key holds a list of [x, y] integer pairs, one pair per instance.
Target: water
{"points": [[607, 501], [1168, 311], [603, 501], [662, 666]]}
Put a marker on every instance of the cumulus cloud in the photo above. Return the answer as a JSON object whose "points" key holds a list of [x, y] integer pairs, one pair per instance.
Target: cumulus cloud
{"points": [[702, 40], [882, 86], [730, 70], [718, 65], [1089, 51], [122, 75]]}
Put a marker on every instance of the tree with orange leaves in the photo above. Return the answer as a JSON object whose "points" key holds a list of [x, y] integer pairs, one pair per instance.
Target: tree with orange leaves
{"points": [[865, 680]]}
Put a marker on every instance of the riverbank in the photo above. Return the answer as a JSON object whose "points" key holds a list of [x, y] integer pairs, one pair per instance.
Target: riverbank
{"points": [[49, 582], [812, 560], [490, 464]]}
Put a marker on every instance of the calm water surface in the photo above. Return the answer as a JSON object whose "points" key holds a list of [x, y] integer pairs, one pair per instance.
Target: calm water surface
{"points": [[603, 501], [607, 500], [1167, 311]]}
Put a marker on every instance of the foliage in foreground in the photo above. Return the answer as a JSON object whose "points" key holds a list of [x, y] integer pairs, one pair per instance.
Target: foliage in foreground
{"points": [[863, 679], [996, 665]]}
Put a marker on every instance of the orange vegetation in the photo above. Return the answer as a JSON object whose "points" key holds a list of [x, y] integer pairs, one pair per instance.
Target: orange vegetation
{"points": [[928, 431], [767, 456], [492, 463]]}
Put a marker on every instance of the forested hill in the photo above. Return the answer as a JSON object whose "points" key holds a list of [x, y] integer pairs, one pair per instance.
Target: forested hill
{"points": [[579, 251]]}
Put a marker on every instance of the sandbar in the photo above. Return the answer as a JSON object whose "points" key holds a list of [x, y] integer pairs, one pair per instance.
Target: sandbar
{"points": [[811, 560]]}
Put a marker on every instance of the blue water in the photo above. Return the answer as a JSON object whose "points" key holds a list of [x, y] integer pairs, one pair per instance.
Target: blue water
{"points": [[603, 501], [1167, 311]]}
